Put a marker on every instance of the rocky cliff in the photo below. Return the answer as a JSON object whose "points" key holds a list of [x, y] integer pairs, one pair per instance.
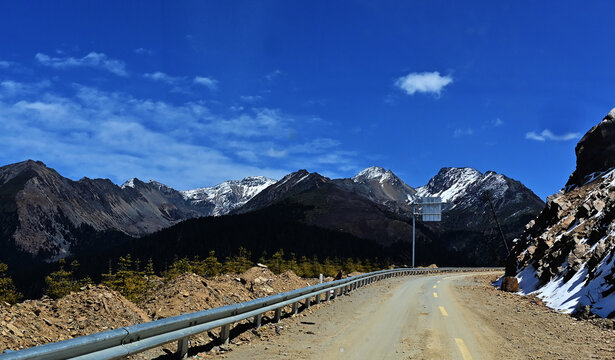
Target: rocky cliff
{"points": [[567, 254]]}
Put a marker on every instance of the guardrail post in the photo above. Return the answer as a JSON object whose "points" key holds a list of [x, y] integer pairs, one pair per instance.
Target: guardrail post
{"points": [[318, 298], [258, 319], [295, 308], [278, 314], [328, 295], [182, 348], [225, 333], [308, 302], [334, 294]]}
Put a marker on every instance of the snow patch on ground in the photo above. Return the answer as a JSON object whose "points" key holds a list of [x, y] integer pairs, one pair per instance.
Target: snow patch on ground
{"points": [[578, 291], [528, 281]]}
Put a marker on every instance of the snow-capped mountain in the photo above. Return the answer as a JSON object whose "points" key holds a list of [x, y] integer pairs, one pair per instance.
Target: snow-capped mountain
{"points": [[464, 189], [291, 184], [229, 195], [380, 186]]}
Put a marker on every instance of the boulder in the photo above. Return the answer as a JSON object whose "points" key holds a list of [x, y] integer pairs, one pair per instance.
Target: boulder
{"points": [[510, 284]]}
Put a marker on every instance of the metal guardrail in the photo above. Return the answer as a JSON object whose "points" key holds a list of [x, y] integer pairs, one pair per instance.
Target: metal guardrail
{"points": [[121, 342]]}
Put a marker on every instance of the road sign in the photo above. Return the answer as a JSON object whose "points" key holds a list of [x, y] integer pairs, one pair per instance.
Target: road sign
{"points": [[432, 208]]}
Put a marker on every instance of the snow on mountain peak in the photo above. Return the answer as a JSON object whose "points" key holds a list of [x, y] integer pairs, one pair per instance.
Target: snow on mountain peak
{"points": [[228, 195], [129, 183], [450, 183], [374, 173]]}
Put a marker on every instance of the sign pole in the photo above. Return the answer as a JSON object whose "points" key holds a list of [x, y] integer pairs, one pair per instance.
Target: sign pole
{"points": [[413, 236]]}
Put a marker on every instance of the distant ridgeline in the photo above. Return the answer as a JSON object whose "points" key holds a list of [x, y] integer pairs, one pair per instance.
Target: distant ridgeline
{"points": [[45, 217]]}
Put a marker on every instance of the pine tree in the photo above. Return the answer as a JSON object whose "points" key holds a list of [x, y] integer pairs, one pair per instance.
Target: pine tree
{"points": [[292, 263], [129, 282], [8, 293], [305, 267], [212, 267], [62, 282]]}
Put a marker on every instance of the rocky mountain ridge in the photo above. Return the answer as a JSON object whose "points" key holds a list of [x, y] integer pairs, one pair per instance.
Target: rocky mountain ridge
{"points": [[567, 254], [46, 215], [43, 213]]}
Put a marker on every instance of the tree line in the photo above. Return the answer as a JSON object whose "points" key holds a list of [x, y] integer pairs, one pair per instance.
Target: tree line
{"points": [[134, 280]]}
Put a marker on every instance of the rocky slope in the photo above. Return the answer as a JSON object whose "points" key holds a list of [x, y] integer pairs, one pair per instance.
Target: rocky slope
{"points": [[380, 186], [97, 308], [567, 254], [44, 214]]}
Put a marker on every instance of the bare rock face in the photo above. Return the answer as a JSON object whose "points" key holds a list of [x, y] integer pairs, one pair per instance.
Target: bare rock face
{"points": [[595, 152], [567, 254]]}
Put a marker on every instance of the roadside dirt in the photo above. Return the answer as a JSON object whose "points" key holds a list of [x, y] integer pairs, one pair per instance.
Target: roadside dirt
{"points": [[529, 330], [35, 322], [97, 308]]}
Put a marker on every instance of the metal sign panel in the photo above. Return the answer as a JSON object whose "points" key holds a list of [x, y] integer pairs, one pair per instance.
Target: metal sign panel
{"points": [[432, 208]]}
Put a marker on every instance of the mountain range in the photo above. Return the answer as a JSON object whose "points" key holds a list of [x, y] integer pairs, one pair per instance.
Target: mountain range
{"points": [[46, 216]]}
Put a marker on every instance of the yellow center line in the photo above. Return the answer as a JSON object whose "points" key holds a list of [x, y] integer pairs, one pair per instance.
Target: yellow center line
{"points": [[438, 281], [443, 311], [465, 353], [434, 286], [435, 295]]}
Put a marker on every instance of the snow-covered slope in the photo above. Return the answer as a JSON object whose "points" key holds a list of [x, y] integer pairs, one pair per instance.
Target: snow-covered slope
{"points": [[566, 256], [462, 186], [228, 195]]}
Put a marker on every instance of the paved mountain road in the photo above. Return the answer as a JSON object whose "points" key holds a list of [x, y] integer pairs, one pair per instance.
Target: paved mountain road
{"points": [[414, 317]]}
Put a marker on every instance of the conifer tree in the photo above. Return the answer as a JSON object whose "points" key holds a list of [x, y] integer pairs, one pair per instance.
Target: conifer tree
{"points": [[212, 267], [8, 293], [62, 282]]}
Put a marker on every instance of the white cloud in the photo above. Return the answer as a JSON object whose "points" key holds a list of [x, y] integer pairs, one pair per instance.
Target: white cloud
{"points": [[93, 60], [208, 82], [10, 88], [4, 64], [425, 82], [162, 77], [115, 135], [549, 135], [463, 132], [271, 152], [497, 122]]}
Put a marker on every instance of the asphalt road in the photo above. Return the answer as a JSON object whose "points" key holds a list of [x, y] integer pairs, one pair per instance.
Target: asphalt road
{"points": [[414, 317]]}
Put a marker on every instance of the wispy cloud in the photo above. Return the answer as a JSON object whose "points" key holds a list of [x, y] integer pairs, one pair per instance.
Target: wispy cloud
{"points": [[549, 135], [93, 60], [424, 82], [5, 64], [144, 51], [210, 83], [10, 88], [251, 98], [162, 77], [273, 75], [497, 122], [463, 132], [117, 135]]}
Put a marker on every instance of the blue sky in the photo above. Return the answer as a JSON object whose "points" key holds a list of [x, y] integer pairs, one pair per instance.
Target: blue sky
{"points": [[194, 93]]}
